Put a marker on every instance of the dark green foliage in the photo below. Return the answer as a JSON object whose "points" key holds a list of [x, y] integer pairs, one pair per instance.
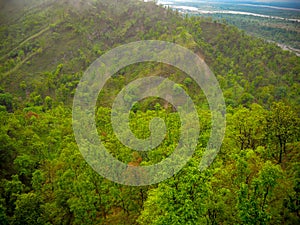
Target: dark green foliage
{"points": [[27, 210], [6, 100]]}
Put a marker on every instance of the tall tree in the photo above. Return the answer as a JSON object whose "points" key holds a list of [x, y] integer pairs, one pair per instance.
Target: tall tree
{"points": [[283, 124]]}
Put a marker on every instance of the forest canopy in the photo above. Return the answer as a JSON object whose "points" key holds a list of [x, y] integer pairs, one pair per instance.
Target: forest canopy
{"points": [[45, 48]]}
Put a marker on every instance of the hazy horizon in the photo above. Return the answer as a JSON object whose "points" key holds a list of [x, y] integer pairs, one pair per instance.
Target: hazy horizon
{"points": [[280, 3]]}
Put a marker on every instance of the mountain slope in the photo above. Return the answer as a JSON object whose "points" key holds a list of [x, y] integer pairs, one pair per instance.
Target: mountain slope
{"points": [[73, 34]]}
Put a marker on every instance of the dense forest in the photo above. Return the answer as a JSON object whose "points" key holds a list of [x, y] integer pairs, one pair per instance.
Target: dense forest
{"points": [[45, 48]]}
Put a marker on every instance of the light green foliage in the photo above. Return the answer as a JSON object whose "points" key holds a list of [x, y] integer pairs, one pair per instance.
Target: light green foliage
{"points": [[253, 199], [181, 199], [247, 127]]}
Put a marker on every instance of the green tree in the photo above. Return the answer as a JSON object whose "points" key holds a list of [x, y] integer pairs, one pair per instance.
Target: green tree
{"points": [[283, 127], [3, 216], [6, 100], [247, 127], [12, 189], [28, 210], [180, 199], [253, 199]]}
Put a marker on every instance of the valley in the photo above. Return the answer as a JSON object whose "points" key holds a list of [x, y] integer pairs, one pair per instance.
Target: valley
{"points": [[275, 22]]}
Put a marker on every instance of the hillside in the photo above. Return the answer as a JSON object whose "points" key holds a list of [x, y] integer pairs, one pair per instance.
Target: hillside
{"points": [[74, 35], [45, 48]]}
